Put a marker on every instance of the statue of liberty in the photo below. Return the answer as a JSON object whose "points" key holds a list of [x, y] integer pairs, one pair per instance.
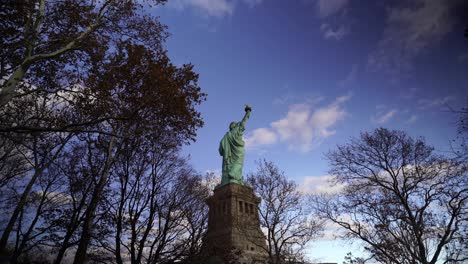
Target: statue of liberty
{"points": [[231, 148]]}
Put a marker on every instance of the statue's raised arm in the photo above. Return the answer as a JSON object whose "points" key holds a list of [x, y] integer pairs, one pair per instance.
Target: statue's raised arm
{"points": [[231, 148], [247, 109]]}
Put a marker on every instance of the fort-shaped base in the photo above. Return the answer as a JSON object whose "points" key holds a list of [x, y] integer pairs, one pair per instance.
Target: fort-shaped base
{"points": [[234, 227]]}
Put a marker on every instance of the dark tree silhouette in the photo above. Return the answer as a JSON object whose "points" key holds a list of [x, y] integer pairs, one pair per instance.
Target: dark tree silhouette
{"points": [[461, 148], [157, 100], [46, 41], [157, 203], [282, 213], [82, 78], [350, 259], [405, 203]]}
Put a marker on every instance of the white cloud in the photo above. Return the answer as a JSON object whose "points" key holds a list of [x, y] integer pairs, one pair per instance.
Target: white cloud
{"points": [[212, 8], [435, 102], [290, 98], [342, 99], [216, 8], [301, 127], [350, 78], [330, 7], [380, 107], [296, 128], [384, 117], [261, 136], [412, 119], [252, 3], [336, 34], [285, 98], [410, 93], [319, 185], [324, 118], [409, 31]]}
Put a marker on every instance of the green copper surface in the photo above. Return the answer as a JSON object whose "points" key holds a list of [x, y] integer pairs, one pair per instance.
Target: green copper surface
{"points": [[232, 149]]}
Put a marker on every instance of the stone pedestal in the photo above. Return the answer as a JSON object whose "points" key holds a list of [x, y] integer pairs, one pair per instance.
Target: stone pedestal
{"points": [[234, 227]]}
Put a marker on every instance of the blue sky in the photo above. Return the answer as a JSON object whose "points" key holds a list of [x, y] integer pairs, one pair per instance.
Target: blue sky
{"points": [[318, 72]]}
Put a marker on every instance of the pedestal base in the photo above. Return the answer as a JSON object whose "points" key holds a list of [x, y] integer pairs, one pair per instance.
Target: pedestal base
{"points": [[234, 227]]}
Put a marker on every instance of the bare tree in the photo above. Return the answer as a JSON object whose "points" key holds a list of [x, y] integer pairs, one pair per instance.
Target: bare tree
{"points": [[460, 144], [45, 43], [12, 163], [155, 102], [158, 210], [105, 154], [31, 227], [405, 203], [283, 213], [196, 217], [350, 259], [85, 78], [41, 152], [78, 167]]}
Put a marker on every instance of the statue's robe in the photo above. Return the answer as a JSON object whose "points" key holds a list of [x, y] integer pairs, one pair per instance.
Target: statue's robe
{"points": [[231, 148]]}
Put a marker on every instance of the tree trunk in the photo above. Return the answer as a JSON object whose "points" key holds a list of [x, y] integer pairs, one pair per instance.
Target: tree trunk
{"points": [[118, 256], [25, 239], [74, 224], [80, 256], [18, 208], [64, 247], [8, 91], [24, 196]]}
